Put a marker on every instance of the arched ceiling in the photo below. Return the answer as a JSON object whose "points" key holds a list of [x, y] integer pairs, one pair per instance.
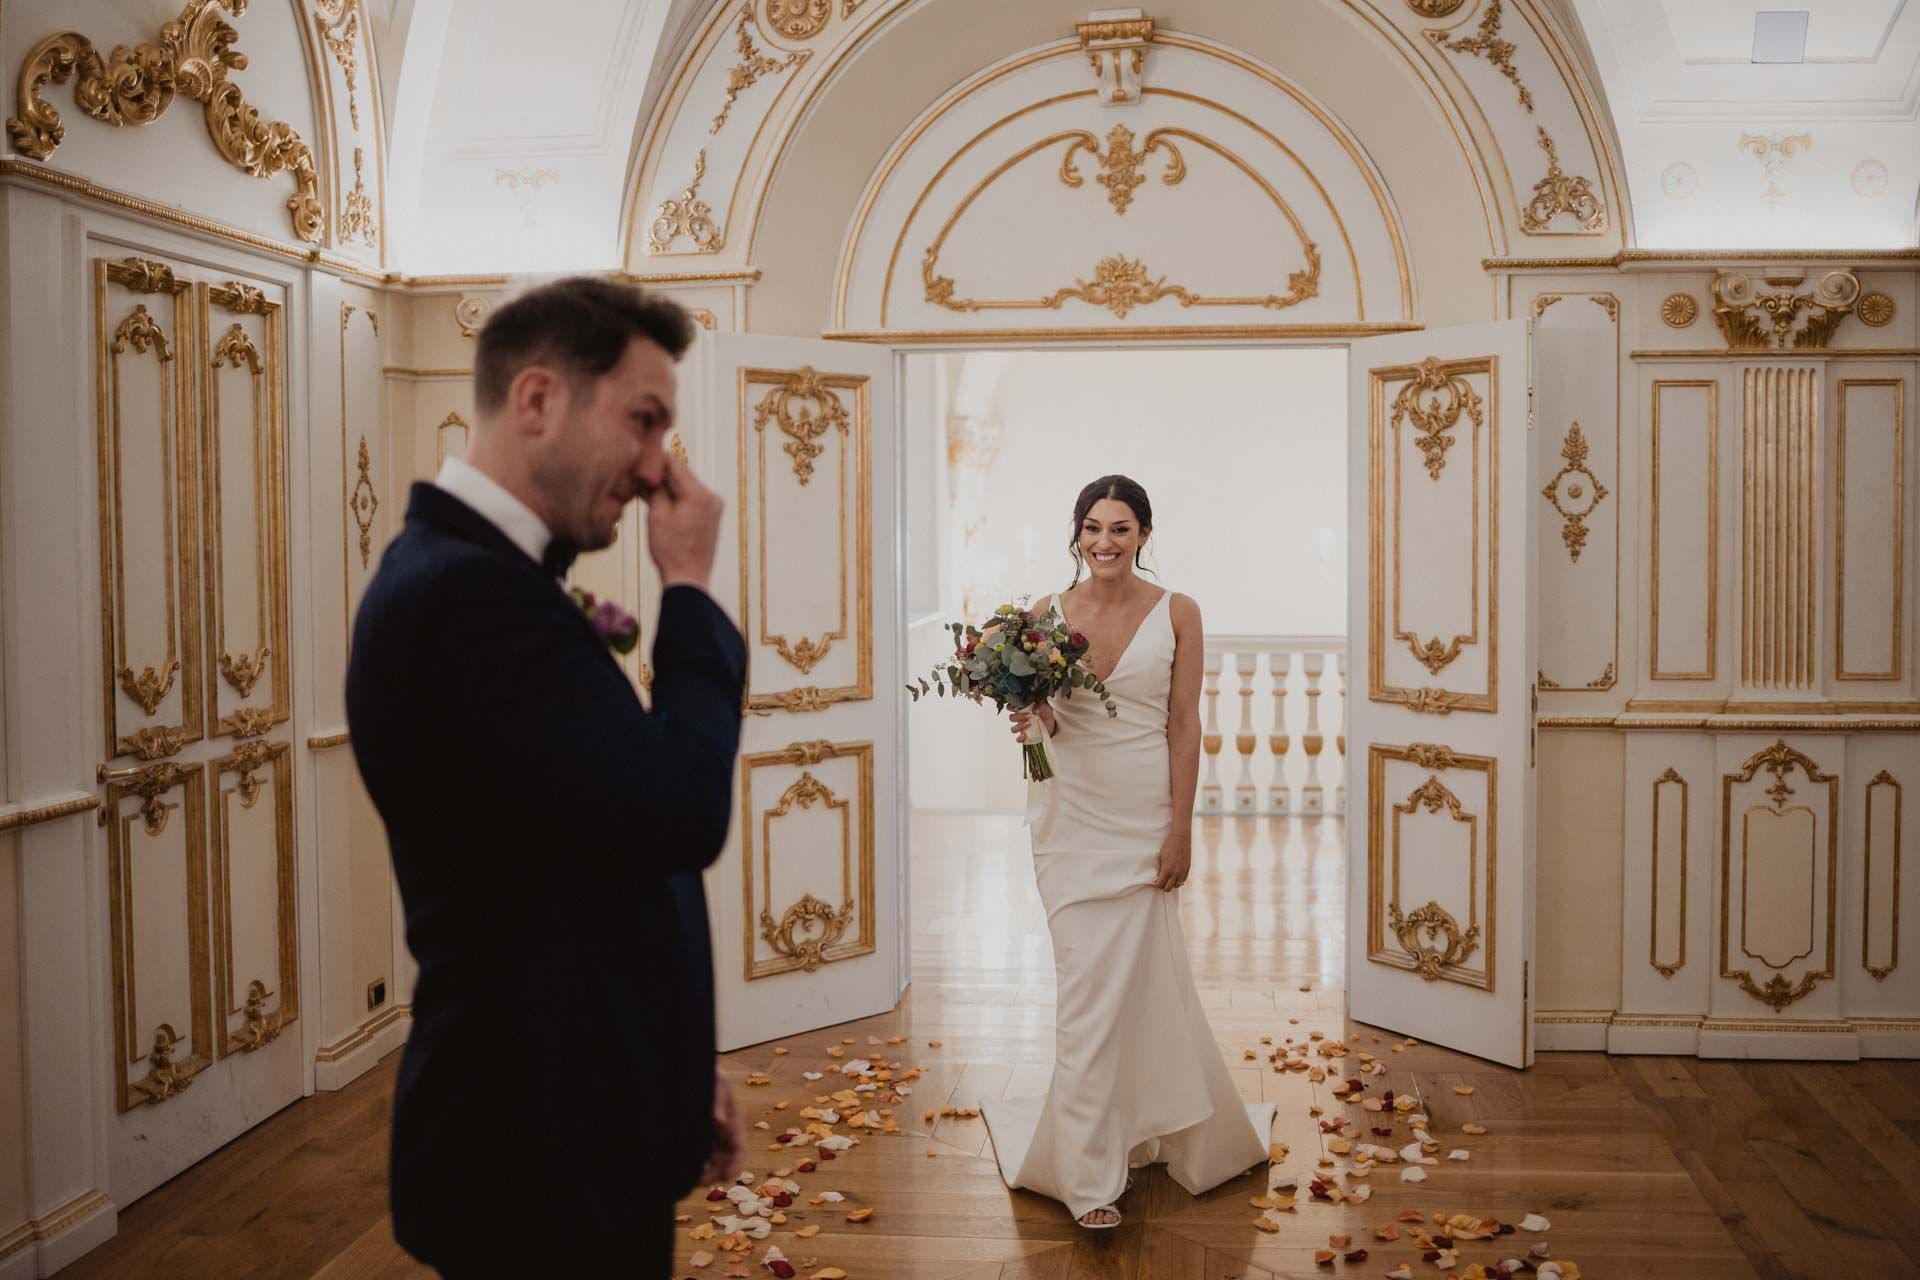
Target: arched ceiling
{"points": [[513, 127]]}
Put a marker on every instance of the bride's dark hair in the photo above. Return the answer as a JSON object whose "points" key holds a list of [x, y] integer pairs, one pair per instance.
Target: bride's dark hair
{"points": [[1119, 489]]}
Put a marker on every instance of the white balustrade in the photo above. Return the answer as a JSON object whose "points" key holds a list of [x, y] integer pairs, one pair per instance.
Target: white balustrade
{"points": [[1288, 755]]}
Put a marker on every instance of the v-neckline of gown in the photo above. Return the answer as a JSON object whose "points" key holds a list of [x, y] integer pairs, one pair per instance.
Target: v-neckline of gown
{"points": [[1137, 629]]}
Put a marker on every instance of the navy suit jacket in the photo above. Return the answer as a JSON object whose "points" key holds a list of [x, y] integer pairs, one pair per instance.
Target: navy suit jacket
{"points": [[548, 832]]}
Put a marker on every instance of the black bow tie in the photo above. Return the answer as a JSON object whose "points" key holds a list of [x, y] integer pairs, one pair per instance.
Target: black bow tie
{"points": [[559, 557]]}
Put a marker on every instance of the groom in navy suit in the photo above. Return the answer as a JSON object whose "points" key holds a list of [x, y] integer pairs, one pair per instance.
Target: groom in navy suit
{"points": [[558, 1092]]}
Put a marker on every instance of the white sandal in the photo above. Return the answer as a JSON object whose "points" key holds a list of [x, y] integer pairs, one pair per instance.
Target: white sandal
{"points": [[1100, 1226]]}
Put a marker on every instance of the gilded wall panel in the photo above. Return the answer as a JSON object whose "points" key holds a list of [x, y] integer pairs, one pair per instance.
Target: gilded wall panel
{"points": [[1434, 515], [1779, 526], [1667, 908], [162, 981], [806, 536], [148, 497], [1880, 874], [1870, 534], [255, 927], [1577, 336], [363, 455], [1431, 857], [1779, 875], [1683, 503], [807, 857], [244, 476]]}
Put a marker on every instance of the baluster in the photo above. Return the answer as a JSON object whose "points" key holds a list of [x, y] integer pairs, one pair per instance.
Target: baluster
{"points": [[1279, 796], [1312, 798], [1245, 795], [1210, 741], [1340, 741]]}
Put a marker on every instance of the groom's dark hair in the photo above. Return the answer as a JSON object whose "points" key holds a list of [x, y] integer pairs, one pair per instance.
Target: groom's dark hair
{"points": [[581, 326]]}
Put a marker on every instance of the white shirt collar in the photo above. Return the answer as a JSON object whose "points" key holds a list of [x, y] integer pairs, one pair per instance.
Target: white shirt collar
{"points": [[490, 498]]}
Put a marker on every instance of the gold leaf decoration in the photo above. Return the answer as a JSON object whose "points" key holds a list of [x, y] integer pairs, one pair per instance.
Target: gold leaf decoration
{"points": [[356, 221], [686, 216], [752, 65], [1559, 193], [345, 50], [1436, 419], [243, 670], [808, 913], [1753, 321], [235, 349], [1435, 8], [260, 1028], [1485, 43], [1875, 309], [798, 19], [363, 502], [1120, 165], [191, 55], [150, 687], [791, 406], [140, 331], [1583, 484], [1433, 919], [165, 1078], [1678, 310]]}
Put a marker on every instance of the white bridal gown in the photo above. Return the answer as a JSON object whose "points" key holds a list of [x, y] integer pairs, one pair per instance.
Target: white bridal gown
{"points": [[1137, 1076]]}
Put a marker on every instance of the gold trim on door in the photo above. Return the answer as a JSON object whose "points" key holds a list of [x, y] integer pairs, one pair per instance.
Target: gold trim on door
{"points": [[807, 914], [259, 1025], [765, 408], [1394, 934], [235, 351], [120, 336], [167, 1074], [1713, 533], [1449, 397]]}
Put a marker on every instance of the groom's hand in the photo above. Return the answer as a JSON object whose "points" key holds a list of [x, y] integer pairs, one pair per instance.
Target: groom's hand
{"points": [[683, 527], [729, 1155]]}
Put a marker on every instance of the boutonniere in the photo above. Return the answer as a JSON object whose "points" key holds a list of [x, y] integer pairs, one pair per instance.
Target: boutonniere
{"points": [[620, 629]]}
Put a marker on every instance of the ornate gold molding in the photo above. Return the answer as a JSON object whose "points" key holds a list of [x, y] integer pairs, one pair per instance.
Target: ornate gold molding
{"points": [[1573, 529], [1120, 165], [1668, 968], [33, 815], [345, 50], [1712, 522], [1119, 283], [363, 502], [805, 427], [752, 65], [1486, 42], [1755, 321], [1779, 760], [1772, 151], [798, 19], [1418, 931], [686, 216], [1875, 309], [471, 312], [1893, 468], [810, 932], [1117, 48], [1560, 192], [1435, 8], [1435, 420], [191, 55], [356, 220], [1868, 895], [1678, 310], [452, 419]]}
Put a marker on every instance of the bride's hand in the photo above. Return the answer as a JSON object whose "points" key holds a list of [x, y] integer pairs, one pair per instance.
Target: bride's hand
{"points": [[1021, 719], [1176, 860]]}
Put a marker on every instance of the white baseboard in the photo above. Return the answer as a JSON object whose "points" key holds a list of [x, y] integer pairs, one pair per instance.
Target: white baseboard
{"points": [[1571, 1030], [1669, 1034], [346, 1060], [45, 1245], [1888, 1037], [1828, 1041]]}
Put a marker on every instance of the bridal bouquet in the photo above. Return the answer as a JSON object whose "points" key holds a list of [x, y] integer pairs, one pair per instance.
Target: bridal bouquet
{"points": [[1016, 661]]}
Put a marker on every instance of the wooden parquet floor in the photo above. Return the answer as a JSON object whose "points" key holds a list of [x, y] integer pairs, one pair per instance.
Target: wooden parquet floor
{"points": [[1647, 1167]]}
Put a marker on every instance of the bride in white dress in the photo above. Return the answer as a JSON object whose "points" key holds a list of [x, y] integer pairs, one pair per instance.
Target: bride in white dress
{"points": [[1137, 1076]]}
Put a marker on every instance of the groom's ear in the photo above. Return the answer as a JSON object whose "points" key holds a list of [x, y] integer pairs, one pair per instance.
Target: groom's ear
{"points": [[536, 399]]}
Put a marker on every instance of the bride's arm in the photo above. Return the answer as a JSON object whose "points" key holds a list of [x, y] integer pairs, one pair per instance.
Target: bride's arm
{"points": [[1183, 711]]}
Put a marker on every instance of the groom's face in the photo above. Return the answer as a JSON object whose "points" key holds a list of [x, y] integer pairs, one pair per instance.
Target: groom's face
{"points": [[609, 446]]}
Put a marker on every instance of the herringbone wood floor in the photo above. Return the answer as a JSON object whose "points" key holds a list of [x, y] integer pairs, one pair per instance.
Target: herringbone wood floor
{"points": [[1647, 1167]]}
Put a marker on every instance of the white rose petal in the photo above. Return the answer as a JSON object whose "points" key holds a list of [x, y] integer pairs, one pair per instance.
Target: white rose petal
{"points": [[810, 1075], [1461, 1154], [832, 1197], [1414, 1174], [1534, 1222], [1411, 1153]]}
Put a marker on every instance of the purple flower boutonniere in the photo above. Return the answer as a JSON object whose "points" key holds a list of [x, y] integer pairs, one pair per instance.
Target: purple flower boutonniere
{"points": [[620, 629]]}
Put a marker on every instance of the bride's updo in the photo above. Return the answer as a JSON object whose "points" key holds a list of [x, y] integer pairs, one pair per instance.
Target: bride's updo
{"points": [[1119, 489]]}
